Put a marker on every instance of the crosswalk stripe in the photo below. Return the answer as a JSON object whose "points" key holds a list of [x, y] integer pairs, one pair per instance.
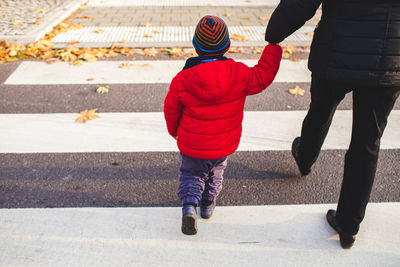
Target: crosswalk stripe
{"points": [[108, 72], [295, 235], [146, 132]]}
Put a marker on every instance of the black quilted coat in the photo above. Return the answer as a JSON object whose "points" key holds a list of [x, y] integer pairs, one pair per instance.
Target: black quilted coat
{"points": [[356, 41]]}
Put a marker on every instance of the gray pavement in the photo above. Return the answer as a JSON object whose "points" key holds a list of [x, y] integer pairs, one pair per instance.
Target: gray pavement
{"points": [[27, 21]]}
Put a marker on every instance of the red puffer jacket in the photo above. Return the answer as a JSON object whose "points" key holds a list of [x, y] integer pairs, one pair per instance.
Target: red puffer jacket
{"points": [[204, 106]]}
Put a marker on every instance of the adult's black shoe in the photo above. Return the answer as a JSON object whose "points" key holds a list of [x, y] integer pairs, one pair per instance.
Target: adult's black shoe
{"points": [[346, 240], [295, 152]]}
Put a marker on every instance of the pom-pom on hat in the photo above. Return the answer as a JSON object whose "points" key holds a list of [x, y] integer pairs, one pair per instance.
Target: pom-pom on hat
{"points": [[211, 37]]}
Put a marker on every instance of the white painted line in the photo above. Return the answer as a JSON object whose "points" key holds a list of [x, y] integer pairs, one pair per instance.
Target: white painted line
{"points": [[146, 132], [289, 235], [109, 72], [126, 3], [166, 34]]}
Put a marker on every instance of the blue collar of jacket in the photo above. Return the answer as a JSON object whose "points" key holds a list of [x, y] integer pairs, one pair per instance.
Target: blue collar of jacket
{"points": [[194, 61]]}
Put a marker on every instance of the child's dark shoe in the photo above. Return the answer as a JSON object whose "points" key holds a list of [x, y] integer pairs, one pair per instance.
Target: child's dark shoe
{"points": [[189, 216], [207, 208]]}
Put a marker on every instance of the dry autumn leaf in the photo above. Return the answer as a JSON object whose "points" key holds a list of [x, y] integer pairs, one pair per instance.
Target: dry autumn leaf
{"points": [[41, 11], [228, 14], [86, 17], [238, 37], [175, 51], [265, 18], [288, 51], [236, 50], [258, 51], [103, 89], [297, 91], [98, 31], [87, 115], [310, 33], [149, 52], [157, 31], [90, 79], [148, 36], [147, 24], [126, 65], [16, 23]]}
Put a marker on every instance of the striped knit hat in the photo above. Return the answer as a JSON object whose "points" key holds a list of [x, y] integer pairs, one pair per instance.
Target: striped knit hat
{"points": [[211, 37]]}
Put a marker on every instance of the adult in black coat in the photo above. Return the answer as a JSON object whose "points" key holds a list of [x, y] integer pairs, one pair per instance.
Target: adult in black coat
{"points": [[356, 47]]}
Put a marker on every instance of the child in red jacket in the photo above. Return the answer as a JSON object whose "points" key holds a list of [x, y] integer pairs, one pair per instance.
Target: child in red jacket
{"points": [[204, 112]]}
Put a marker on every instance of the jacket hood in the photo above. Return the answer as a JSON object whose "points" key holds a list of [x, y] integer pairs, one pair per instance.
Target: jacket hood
{"points": [[208, 80]]}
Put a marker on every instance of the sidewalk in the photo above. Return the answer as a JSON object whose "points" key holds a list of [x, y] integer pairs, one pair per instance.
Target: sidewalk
{"points": [[156, 23], [295, 235]]}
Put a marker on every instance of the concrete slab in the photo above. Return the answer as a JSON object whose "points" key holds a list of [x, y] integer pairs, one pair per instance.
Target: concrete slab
{"points": [[109, 72], [146, 132], [294, 235]]}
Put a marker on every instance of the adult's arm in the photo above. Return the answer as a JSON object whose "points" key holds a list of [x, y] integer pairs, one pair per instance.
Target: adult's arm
{"points": [[288, 17]]}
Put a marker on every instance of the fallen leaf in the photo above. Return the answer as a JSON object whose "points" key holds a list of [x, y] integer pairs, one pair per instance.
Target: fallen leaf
{"points": [[73, 42], [44, 45], [149, 52], [236, 50], [238, 37], [228, 14], [103, 89], [297, 91], [90, 79], [126, 65], [41, 11], [16, 23], [87, 115], [77, 62], [52, 60], [147, 24], [266, 18], [122, 41], [86, 17], [98, 31], [157, 31], [295, 59], [38, 22], [288, 51], [310, 33], [175, 51], [246, 18], [148, 36], [258, 51], [145, 65]]}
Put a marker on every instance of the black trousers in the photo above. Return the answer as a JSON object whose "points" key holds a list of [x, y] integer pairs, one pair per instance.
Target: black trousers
{"points": [[371, 108]]}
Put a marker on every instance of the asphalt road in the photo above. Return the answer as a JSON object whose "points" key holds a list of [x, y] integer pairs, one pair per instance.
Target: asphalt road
{"points": [[151, 179]]}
